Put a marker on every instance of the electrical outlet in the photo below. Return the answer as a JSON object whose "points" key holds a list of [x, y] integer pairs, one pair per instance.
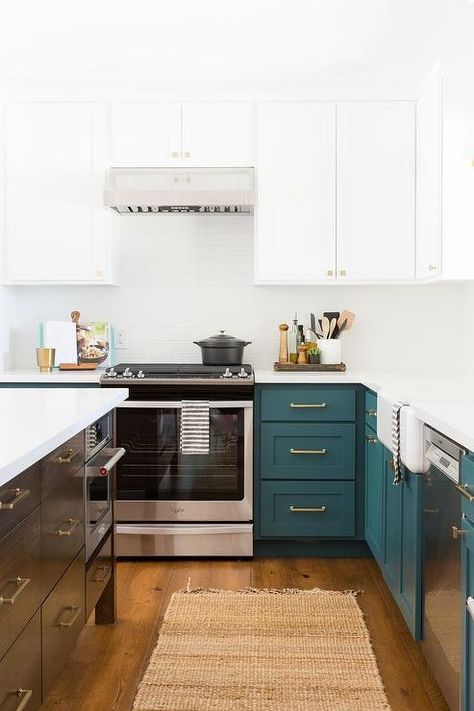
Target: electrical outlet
{"points": [[120, 341]]}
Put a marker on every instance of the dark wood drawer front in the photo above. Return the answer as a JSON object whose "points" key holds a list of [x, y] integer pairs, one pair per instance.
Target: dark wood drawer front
{"points": [[308, 404], [20, 670], [18, 498], [20, 579], [60, 465], [62, 620], [307, 451], [307, 509], [62, 528], [99, 570]]}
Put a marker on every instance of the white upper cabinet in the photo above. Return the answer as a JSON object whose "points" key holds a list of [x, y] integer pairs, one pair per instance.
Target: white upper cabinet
{"points": [[144, 134], [175, 134], [57, 229], [428, 182], [375, 191], [295, 206]]}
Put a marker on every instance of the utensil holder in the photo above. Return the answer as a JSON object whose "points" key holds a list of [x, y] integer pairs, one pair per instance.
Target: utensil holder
{"points": [[331, 350], [45, 359]]}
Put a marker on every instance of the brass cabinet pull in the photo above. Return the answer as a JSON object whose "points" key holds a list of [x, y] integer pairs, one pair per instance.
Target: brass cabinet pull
{"points": [[26, 695], [75, 612], [302, 405], [470, 606], [457, 532], [371, 440], [21, 584], [73, 522], [187, 154], [70, 454], [18, 495], [464, 490], [105, 570], [307, 451], [371, 412], [307, 509]]}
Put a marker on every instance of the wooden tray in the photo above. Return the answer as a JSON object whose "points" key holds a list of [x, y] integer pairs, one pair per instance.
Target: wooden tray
{"points": [[81, 366], [310, 367]]}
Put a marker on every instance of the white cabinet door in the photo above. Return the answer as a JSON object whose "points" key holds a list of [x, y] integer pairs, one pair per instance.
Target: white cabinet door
{"points": [[56, 225], [145, 133], [375, 191], [428, 182], [295, 210], [218, 133]]}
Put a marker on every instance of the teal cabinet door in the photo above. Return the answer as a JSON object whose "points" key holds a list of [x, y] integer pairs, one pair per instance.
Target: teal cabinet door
{"points": [[467, 563], [411, 551], [303, 403], [374, 494], [392, 526]]}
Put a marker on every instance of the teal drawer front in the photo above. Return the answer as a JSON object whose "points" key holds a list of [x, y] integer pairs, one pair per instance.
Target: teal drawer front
{"points": [[467, 479], [371, 410], [323, 508], [307, 451], [308, 404]]}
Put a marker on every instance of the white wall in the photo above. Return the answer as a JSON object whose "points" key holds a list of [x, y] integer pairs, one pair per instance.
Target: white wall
{"points": [[7, 305], [184, 277]]}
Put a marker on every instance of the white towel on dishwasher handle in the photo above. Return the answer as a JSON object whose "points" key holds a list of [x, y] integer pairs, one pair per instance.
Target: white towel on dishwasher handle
{"points": [[397, 464], [194, 431]]}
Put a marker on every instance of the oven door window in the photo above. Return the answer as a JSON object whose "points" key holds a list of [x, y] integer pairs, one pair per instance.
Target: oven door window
{"points": [[98, 498], [154, 469]]}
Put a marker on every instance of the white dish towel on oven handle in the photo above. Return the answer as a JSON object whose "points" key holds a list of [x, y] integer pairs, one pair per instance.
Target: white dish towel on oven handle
{"points": [[194, 431]]}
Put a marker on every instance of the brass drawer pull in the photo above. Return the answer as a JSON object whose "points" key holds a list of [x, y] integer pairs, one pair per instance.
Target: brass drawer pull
{"points": [[72, 525], [307, 451], [307, 509], [26, 694], [371, 412], [21, 584], [18, 495], [105, 570], [303, 405], [464, 490], [75, 612], [371, 440], [68, 456], [457, 532]]}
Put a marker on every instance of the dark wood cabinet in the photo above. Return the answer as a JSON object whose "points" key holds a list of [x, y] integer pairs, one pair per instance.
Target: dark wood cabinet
{"points": [[99, 572], [59, 466], [18, 498], [20, 670]]}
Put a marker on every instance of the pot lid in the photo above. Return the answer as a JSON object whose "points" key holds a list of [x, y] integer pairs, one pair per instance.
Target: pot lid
{"points": [[221, 340]]}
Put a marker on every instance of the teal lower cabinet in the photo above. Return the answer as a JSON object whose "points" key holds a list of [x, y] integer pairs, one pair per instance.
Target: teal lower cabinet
{"points": [[393, 528], [467, 587], [307, 509]]}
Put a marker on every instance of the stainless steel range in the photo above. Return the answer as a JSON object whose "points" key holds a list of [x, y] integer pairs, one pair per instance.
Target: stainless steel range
{"points": [[184, 486]]}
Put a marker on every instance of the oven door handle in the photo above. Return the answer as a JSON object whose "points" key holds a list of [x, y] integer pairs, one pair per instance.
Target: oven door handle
{"points": [[177, 405], [110, 463]]}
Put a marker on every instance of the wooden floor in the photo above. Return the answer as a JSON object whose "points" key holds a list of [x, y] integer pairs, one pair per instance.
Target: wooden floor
{"points": [[107, 664]]}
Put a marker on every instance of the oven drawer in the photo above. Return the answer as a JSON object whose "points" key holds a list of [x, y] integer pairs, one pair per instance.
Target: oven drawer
{"points": [[218, 540], [99, 570], [62, 528], [18, 498], [308, 404], [20, 670], [307, 509], [307, 451], [20, 578], [62, 620], [59, 466]]}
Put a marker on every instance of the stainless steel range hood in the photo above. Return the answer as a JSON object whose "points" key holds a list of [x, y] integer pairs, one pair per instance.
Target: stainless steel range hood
{"points": [[176, 190]]}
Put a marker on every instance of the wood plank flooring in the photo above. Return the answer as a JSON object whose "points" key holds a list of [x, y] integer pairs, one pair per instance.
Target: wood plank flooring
{"points": [[108, 662]]}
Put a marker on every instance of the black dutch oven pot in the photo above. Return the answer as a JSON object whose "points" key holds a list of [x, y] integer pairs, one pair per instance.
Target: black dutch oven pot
{"points": [[222, 350]]}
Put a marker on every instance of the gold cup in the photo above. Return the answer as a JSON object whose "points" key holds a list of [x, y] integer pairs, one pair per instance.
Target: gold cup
{"points": [[45, 359]]}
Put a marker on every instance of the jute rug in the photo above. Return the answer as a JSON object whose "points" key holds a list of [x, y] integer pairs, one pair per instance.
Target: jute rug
{"points": [[262, 650]]}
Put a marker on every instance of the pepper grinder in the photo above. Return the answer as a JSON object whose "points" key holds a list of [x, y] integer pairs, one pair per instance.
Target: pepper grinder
{"points": [[283, 355], [302, 354]]}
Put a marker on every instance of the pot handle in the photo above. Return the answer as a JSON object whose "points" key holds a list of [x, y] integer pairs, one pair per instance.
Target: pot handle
{"points": [[247, 343]]}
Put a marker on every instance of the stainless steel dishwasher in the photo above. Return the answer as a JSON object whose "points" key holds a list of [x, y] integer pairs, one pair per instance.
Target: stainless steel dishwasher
{"points": [[442, 612]]}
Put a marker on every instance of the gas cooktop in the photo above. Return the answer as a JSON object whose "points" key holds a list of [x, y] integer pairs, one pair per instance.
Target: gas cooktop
{"points": [[177, 372]]}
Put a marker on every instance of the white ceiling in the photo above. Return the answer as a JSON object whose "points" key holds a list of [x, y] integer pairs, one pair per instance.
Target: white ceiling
{"points": [[223, 44]]}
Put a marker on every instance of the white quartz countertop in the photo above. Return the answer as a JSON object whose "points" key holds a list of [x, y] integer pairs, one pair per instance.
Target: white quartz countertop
{"points": [[34, 421], [442, 400], [33, 375]]}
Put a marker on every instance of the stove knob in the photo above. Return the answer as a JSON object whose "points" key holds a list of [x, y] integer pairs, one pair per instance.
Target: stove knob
{"points": [[243, 373], [140, 374], [127, 373], [111, 373], [227, 373]]}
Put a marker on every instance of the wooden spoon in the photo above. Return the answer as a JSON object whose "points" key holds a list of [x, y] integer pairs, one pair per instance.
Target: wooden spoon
{"points": [[325, 326], [342, 327], [349, 317], [332, 327]]}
